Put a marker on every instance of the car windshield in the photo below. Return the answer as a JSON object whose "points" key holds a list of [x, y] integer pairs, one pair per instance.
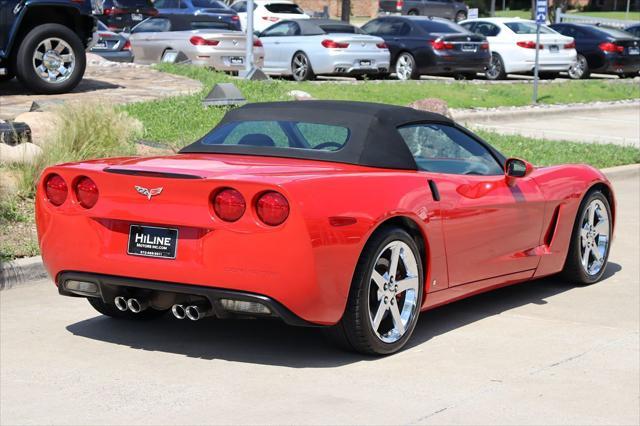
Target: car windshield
{"points": [[284, 8], [439, 26], [527, 28], [212, 4], [279, 134], [340, 29]]}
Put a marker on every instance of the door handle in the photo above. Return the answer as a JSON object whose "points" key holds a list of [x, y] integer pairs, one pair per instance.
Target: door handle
{"points": [[435, 194]]}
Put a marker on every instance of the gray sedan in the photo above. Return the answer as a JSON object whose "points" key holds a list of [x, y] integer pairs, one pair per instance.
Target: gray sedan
{"points": [[112, 46], [304, 48]]}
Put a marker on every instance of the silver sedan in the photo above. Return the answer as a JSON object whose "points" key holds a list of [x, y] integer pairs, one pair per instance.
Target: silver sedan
{"points": [[152, 41], [305, 48]]}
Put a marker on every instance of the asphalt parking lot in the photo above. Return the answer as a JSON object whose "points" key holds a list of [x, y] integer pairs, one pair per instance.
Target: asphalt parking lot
{"points": [[539, 353]]}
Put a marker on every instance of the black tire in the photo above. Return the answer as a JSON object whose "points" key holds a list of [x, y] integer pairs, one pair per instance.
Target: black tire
{"points": [[414, 74], [302, 76], [110, 310], [573, 270], [354, 331], [498, 73], [626, 75], [413, 12], [581, 70], [26, 72], [6, 77], [460, 16]]}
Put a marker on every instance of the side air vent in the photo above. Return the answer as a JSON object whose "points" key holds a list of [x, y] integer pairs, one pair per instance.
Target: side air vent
{"points": [[551, 231], [146, 173]]}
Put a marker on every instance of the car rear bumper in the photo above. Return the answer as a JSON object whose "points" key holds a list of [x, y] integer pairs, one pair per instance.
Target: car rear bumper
{"points": [[119, 56], [108, 287], [351, 63], [555, 62], [619, 64], [455, 65]]}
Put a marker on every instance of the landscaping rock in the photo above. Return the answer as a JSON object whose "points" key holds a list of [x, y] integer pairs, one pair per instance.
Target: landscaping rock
{"points": [[300, 95], [25, 153], [436, 105], [43, 125]]}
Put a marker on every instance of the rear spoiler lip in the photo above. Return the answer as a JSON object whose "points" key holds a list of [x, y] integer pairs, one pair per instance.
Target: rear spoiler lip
{"points": [[151, 173]]}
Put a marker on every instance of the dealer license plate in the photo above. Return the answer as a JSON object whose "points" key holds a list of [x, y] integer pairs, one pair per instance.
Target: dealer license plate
{"points": [[554, 48], [469, 47], [151, 241], [136, 16], [236, 60], [100, 45], [634, 51], [365, 63]]}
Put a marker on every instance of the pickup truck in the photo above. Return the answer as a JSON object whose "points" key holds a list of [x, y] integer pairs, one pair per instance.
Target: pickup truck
{"points": [[43, 42]]}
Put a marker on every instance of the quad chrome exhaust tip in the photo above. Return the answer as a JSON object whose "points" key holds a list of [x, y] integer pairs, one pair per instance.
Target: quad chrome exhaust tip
{"points": [[136, 306], [193, 312], [179, 311]]}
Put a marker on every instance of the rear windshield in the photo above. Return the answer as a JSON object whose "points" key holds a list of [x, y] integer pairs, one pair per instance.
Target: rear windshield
{"points": [[210, 25], [284, 8], [612, 32], [527, 28], [280, 134], [340, 29], [440, 27], [212, 4]]}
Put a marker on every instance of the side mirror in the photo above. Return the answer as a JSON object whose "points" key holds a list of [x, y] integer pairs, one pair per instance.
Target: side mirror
{"points": [[516, 168]]}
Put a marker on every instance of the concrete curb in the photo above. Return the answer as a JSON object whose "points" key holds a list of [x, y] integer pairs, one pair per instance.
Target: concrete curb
{"points": [[22, 271], [503, 114]]}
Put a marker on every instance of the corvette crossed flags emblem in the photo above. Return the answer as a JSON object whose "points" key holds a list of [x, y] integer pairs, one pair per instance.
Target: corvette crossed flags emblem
{"points": [[148, 192]]}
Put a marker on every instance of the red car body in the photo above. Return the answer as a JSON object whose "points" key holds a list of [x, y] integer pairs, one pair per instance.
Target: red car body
{"points": [[477, 232]]}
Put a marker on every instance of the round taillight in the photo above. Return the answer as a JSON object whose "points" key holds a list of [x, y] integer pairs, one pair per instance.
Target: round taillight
{"points": [[56, 189], [229, 204], [272, 208], [86, 192]]}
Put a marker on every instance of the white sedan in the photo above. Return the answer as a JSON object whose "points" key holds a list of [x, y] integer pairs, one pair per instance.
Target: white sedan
{"points": [[268, 12], [304, 48], [513, 47]]}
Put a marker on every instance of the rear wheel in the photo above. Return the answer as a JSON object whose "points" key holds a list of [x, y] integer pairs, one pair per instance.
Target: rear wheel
{"points": [[301, 67], [51, 59], [461, 16], [110, 310], [413, 12], [580, 69], [406, 68], [590, 241], [495, 70], [385, 297]]}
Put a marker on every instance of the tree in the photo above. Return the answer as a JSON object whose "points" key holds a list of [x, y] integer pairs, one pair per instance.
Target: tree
{"points": [[346, 10]]}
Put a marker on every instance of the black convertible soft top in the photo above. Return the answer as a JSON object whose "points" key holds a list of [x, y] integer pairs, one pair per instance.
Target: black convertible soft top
{"points": [[374, 139]]}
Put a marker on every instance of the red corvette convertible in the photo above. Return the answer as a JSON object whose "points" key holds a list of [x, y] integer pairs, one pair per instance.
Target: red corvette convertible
{"points": [[348, 215]]}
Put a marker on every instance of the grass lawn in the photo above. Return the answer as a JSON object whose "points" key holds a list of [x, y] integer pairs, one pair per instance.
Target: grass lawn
{"points": [[517, 13], [180, 120], [526, 14]]}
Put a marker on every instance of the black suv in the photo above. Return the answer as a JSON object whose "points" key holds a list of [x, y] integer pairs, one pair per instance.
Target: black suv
{"points": [[43, 42]]}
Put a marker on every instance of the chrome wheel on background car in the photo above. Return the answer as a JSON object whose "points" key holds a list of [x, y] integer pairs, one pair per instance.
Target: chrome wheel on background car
{"points": [[301, 67], [393, 292], [495, 70], [405, 67], [594, 237], [580, 69], [53, 60]]}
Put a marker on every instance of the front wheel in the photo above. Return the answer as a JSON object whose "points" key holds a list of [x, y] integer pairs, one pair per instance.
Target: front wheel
{"points": [[590, 241], [461, 16], [301, 67], [385, 297], [50, 59]]}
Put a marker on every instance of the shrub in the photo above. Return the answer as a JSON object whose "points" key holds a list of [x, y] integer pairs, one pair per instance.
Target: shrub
{"points": [[86, 131]]}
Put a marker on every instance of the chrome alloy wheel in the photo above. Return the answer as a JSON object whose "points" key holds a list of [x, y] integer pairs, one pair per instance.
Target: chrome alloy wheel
{"points": [[576, 71], [404, 67], [300, 66], [594, 237], [53, 60], [393, 291], [494, 69]]}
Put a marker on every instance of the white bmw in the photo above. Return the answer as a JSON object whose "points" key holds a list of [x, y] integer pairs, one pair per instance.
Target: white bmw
{"points": [[513, 47]]}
